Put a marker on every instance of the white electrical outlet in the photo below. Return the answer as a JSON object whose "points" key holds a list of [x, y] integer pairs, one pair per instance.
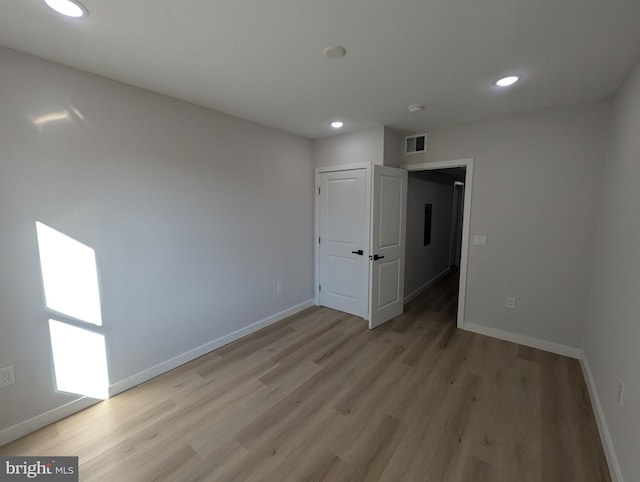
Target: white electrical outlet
{"points": [[480, 240], [510, 303], [279, 288], [620, 392], [7, 377]]}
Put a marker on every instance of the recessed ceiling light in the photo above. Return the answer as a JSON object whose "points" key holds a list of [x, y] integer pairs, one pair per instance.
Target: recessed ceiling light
{"points": [[69, 8], [507, 81], [334, 52], [337, 124]]}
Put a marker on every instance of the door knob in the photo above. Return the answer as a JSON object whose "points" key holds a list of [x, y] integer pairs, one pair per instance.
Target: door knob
{"points": [[359, 252], [375, 257]]}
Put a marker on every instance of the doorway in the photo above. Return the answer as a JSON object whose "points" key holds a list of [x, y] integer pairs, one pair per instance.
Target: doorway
{"points": [[461, 197]]}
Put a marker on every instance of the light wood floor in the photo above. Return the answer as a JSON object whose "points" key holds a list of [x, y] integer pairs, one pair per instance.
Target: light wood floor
{"points": [[319, 397]]}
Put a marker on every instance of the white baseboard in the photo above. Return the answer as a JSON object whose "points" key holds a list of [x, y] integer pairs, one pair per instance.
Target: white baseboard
{"points": [[175, 362], [39, 421], [523, 340], [23, 428], [425, 286], [603, 429]]}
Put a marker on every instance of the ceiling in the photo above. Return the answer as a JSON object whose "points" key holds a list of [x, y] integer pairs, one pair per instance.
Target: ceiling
{"points": [[262, 60]]}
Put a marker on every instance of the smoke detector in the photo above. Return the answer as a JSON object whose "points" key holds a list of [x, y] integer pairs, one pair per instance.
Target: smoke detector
{"points": [[415, 108], [334, 52]]}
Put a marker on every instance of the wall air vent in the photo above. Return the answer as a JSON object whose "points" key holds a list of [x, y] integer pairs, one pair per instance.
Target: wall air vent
{"points": [[415, 144]]}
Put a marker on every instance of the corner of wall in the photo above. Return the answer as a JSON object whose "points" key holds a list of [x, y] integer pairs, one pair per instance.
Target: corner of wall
{"points": [[601, 421], [392, 148]]}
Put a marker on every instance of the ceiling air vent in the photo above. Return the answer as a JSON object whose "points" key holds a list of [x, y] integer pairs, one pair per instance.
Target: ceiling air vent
{"points": [[415, 144]]}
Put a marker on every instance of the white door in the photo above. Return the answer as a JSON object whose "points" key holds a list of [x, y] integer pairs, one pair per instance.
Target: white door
{"points": [[344, 241], [388, 226]]}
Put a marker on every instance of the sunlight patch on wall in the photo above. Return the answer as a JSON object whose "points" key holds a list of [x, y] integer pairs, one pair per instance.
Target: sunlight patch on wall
{"points": [[70, 281], [69, 275], [79, 357]]}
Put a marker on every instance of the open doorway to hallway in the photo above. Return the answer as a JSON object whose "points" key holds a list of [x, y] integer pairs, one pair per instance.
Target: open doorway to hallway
{"points": [[435, 220]]}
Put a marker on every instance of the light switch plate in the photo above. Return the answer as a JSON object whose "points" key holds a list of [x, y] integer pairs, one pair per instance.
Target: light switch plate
{"points": [[480, 240]]}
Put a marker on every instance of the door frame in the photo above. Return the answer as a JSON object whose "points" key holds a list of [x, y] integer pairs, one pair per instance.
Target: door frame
{"points": [[316, 225], [454, 223], [466, 220]]}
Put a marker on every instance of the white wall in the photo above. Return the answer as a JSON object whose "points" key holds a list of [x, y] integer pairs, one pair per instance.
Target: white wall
{"points": [[536, 189], [424, 263], [363, 146], [392, 149], [612, 332], [377, 145], [194, 217]]}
